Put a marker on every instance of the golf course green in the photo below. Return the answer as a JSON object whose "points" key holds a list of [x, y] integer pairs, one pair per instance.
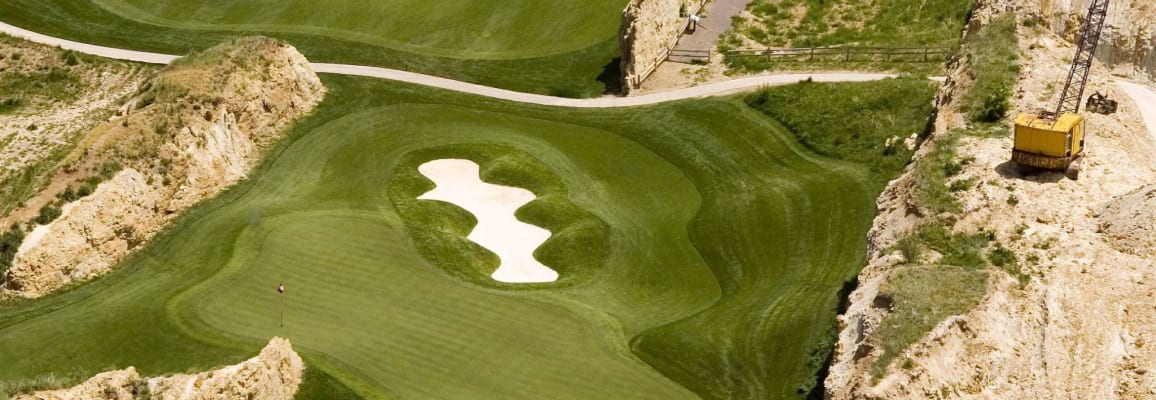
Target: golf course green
{"points": [[701, 249], [481, 29], [551, 47]]}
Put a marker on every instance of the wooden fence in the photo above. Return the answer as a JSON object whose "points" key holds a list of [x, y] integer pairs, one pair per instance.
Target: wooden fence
{"points": [[689, 56], [847, 54]]}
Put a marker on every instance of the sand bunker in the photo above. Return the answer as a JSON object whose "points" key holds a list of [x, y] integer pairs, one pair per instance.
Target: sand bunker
{"points": [[459, 183]]}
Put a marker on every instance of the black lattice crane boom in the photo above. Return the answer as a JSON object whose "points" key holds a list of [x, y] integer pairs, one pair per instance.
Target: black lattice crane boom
{"points": [[1085, 53], [1055, 140]]}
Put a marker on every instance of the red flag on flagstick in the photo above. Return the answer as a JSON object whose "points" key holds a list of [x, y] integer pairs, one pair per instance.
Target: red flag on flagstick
{"points": [[281, 288]]}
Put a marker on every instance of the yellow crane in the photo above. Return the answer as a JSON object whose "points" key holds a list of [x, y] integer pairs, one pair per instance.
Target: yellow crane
{"points": [[1054, 140]]}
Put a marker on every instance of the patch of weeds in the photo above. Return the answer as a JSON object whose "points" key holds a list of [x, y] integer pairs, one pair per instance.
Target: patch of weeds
{"points": [[958, 249], [11, 104], [56, 84], [48, 213], [922, 297], [161, 127], [961, 185], [931, 174], [1012, 200], [9, 242], [994, 69], [853, 121]]}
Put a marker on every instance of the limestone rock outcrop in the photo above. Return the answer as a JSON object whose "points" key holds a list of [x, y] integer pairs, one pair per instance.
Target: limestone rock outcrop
{"points": [[199, 127], [274, 374], [650, 28], [1129, 223], [1128, 44]]}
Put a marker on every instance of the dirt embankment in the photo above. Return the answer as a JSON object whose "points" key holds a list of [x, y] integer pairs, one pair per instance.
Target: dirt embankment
{"points": [[1128, 44], [198, 127], [49, 98], [274, 374], [1082, 323]]}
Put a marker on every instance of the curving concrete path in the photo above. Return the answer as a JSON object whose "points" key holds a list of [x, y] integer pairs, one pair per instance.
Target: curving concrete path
{"points": [[714, 89]]}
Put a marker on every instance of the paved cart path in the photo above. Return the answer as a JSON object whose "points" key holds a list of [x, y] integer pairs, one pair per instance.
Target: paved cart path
{"points": [[714, 89]]}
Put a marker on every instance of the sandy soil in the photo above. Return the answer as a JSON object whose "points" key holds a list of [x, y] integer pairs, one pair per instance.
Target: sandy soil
{"points": [[1145, 99], [459, 183]]}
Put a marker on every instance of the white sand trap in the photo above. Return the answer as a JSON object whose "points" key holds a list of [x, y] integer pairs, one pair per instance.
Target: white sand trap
{"points": [[459, 183]]}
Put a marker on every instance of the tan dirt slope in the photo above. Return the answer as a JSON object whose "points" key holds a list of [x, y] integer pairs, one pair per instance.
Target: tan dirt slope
{"points": [[194, 130], [1084, 324], [85, 92], [274, 374]]}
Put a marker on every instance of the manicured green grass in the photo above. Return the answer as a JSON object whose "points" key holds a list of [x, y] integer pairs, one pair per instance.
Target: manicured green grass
{"points": [[476, 29], [558, 47], [706, 250]]}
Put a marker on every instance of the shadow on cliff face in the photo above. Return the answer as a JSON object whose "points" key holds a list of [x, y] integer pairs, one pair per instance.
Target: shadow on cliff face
{"points": [[819, 391]]}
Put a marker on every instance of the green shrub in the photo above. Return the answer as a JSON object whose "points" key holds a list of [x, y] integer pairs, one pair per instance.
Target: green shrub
{"points": [[9, 242], [70, 58], [931, 173], [48, 213], [108, 169]]}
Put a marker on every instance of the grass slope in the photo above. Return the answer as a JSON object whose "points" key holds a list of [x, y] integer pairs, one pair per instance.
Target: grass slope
{"points": [[725, 245], [559, 48]]}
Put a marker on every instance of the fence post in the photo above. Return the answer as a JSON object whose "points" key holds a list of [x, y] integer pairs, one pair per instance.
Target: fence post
{"points": [[848, 58], [812, 54], [925, 49]]}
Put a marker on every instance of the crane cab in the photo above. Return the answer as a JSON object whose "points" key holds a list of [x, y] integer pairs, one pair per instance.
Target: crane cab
{"points": [[1050, 142]]}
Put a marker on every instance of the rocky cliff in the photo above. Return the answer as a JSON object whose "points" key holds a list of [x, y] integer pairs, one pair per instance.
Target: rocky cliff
{"points": [[1128, 44], [650, 28], [196, 129], [274, 374], [1077, 321]]}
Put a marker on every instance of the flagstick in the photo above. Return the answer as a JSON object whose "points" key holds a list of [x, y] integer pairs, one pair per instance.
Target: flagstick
{"points": [[282, 296]]}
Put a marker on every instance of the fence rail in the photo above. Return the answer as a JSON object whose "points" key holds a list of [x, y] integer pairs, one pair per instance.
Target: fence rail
{"points": [[847, 54], [683, 55]]}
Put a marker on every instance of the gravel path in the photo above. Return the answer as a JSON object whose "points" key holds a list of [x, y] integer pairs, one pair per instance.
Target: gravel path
{"points": [[1145, 99], [716, 20], [714, 89]]}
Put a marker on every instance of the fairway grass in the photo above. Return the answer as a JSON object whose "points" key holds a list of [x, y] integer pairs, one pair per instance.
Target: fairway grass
{"points": [[700, 250], [549, 47]]}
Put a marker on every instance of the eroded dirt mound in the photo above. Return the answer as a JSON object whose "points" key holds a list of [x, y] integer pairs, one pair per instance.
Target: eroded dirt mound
{"points": [[194, 130], [274, 374], [1130, 222]]}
